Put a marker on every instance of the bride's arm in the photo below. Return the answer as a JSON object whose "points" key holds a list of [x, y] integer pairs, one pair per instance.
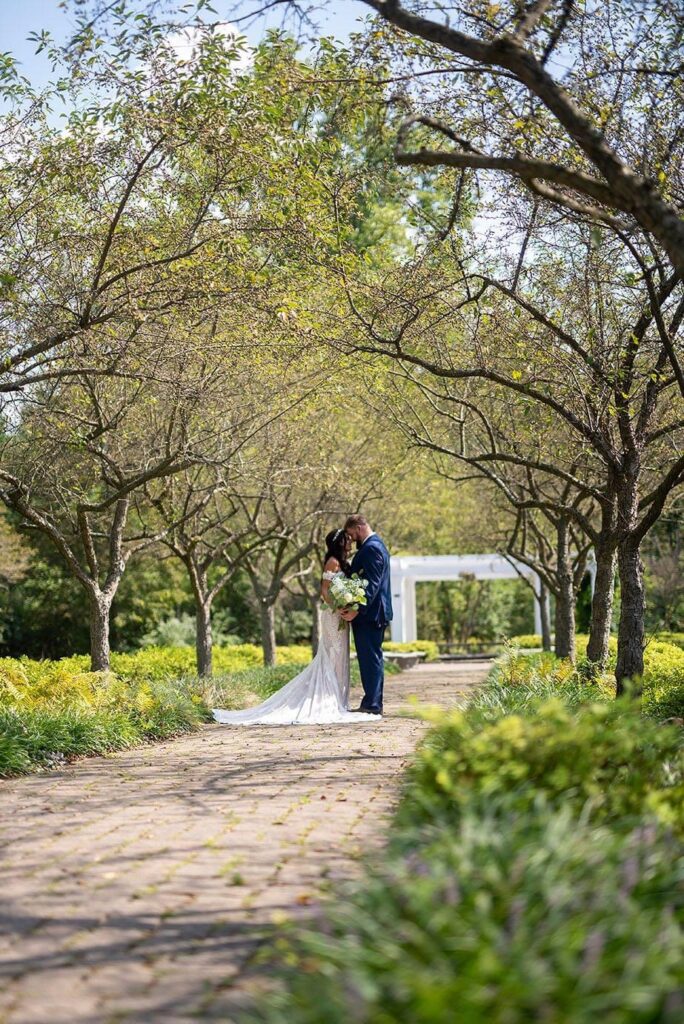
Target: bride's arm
{"points": [[332, 565]]}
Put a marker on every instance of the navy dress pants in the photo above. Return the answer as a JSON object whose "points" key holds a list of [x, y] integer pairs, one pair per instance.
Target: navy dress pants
{"points": [[368, 641]]}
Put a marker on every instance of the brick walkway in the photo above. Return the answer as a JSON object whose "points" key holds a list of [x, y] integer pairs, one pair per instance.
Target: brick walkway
{"points": [[136, 888]]}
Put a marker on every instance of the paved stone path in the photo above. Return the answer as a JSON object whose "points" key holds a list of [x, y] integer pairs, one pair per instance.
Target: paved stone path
{"points": [[136, 888]]}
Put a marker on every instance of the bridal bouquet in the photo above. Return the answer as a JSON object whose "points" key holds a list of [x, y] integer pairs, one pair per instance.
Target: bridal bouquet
{"points": [[347, 592]]}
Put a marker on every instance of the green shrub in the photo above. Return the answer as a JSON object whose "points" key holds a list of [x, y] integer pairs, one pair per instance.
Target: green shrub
{"points": [[250, 686], [522, 678], [40, 732], [677, 639], [663, 682], [526, 641], [534, 872], [56, 709], [604, 756], [52, 710], [39, 736], [504, 919], [520, 682], [429, 647]]}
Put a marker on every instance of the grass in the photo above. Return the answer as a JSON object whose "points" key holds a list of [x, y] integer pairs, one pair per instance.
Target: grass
{"points": [[53, 712]]}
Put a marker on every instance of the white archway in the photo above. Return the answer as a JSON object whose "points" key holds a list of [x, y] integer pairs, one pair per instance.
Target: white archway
{"points": [[407, 570]]}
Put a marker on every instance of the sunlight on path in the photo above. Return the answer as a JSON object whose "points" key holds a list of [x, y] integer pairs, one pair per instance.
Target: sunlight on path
{"points": [[137, 887]]}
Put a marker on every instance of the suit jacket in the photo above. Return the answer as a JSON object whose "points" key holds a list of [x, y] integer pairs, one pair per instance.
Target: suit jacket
{"points": [[372, 563]]}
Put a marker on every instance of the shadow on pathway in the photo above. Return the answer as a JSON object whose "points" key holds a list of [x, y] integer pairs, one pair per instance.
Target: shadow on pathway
{"points": [[136, 888]]}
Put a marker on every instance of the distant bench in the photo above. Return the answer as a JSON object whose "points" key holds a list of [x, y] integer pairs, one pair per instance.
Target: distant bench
{"points": [[404, 659]]}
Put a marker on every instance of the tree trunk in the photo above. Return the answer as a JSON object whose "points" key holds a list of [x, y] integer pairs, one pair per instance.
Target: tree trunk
{"points": [[545, 613], [565, 598], [100, 607], [268, 640], [200, 589], [630, 659], [601, 607], [203, 638]]}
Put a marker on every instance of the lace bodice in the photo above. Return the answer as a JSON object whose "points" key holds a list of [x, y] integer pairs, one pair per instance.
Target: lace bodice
{"points": [[329, 575]]}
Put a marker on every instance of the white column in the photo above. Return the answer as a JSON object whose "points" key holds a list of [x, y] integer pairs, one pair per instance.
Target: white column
{"points": [[591, 569], [537, 606], [397, 586], [404, 606], [409, 609]]}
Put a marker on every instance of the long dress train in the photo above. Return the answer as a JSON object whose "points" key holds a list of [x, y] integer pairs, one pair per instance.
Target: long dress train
{"points": [[319, 695]]}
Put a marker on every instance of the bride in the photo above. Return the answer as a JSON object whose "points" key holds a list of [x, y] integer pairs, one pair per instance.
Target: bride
{"points": [[320, 694]]}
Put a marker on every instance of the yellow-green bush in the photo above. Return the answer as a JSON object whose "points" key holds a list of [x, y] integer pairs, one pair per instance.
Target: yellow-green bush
{"points": [[55, 709], [672, 638], [603, 756], [663, 682], [582, 640], [27, 683], [428, 647], [70, 678], [162, 662], [522, 669], [526, 641]]}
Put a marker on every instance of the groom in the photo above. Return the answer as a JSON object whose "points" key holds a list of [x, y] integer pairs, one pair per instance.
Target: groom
{"points": [[372, 563]]}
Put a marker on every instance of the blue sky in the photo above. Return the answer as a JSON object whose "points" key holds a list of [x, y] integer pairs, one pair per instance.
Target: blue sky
{"points": [[19, 17]]}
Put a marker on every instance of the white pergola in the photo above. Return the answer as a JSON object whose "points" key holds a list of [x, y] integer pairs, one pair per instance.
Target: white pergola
{"points": [[408, 570]]}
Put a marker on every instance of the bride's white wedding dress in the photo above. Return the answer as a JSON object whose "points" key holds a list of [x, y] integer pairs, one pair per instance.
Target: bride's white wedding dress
{"points": [[317, 696]]}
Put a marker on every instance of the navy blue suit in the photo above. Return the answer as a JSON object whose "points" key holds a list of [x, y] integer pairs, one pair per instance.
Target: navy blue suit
{"points": [[372, 563]]}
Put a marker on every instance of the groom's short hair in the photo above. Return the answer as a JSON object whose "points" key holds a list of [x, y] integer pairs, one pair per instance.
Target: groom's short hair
{"points": [[355, 520]]}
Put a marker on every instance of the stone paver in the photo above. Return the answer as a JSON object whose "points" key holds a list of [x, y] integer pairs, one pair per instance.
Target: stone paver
{"points": [[136, 888]]}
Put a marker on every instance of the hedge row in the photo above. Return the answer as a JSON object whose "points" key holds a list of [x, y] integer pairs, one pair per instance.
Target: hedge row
{"points": [[53, 710], [428, 647], [534, 873]]}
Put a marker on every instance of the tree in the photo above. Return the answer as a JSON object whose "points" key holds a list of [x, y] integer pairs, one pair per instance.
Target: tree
{"points": [[477, 434], [157, 233], [197, 513], [83, 453], [578, 349], [580, 143], [115, 217], [560, 564]]}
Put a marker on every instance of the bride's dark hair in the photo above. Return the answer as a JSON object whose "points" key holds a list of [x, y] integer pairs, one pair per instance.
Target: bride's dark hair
{"points": [[335, 548]]}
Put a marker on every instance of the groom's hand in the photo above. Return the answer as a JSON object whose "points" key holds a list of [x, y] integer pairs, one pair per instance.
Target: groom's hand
{"points": [[348, 616]]}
